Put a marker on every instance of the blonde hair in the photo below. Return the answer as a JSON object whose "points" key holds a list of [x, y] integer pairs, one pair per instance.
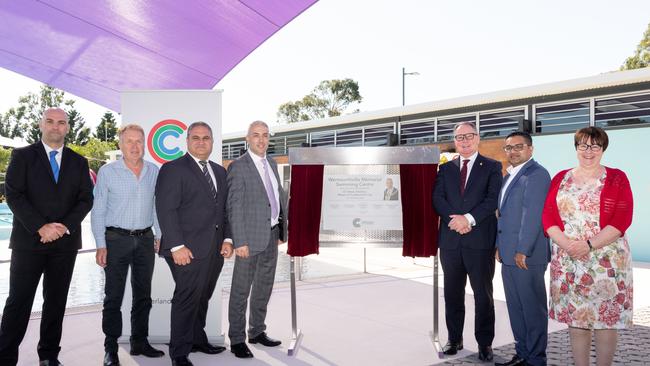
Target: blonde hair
{"points": [[130, 126]]}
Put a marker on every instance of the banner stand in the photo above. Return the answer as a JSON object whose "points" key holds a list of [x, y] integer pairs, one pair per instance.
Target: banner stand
{"points": [[362, 156]]}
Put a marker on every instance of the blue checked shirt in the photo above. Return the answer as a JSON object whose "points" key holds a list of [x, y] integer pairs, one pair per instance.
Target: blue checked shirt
{"points": [[124, 201]]}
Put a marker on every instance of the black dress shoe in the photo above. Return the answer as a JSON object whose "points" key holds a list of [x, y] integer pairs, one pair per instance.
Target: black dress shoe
{"points": [[145, 349], [263, 339], [451, 348], [182, 361], [241, 350], [516, 361], [208, 348], [485, 353], [111, 359], [53, 362]]}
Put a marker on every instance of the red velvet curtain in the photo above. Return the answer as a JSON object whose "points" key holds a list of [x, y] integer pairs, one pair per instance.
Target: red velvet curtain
{"points": [[419, 220], [304, 209]]}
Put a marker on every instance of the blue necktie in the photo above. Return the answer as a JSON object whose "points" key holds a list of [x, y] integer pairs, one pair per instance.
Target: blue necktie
{"points": [[54, 165]]}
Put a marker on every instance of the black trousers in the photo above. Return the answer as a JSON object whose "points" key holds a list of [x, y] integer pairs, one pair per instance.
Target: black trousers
{"points": [[478, 265], [136, 252], [25, 273], [195, 284]]}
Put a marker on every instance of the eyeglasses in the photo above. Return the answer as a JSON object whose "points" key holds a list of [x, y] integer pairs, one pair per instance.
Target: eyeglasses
{"points": [[518, 147], [585, 147], [467, 136]]}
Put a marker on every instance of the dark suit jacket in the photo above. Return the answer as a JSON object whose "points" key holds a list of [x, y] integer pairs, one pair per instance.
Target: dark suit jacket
{"points": [[520, 216], [35, 199], [479, 200], [187, 213]]}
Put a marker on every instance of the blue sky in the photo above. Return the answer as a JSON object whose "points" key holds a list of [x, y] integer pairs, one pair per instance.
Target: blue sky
{"points": [[458, 47]]}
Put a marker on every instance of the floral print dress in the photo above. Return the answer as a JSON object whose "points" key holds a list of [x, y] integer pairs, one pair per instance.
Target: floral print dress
{"points": [[596, 293]]}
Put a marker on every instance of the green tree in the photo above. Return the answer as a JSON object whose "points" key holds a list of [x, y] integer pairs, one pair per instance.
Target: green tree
{"points": [[31, 107], [330, 98], [107, 128], [5, 155], [94, 150], [78, 134], [641, 56]]}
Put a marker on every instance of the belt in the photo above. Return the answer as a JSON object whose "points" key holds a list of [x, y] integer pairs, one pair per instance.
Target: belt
{"points": [[128, 232]]}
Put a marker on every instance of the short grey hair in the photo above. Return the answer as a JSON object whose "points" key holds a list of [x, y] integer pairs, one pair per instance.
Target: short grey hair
{"points": [[256, 123], [467, 123], [198, 124]]}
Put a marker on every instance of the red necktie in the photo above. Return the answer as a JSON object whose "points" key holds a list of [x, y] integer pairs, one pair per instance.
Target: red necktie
{"points": [[463, 176]]}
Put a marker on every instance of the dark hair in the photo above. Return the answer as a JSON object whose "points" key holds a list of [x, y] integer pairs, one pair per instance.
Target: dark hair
{"points": [[525, 135], [597, 135], [197, 124]]}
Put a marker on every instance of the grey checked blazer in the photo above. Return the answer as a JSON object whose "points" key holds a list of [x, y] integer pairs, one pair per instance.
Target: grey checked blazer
{"points": [[248, 207]]}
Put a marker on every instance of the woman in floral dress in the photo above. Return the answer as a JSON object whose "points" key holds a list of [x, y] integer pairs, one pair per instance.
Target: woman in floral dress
{"points": [[587, 211]]}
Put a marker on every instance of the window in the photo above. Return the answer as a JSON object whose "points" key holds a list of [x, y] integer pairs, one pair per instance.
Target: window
{"points": [[413, 133], [625, 110], [377, 136], [562, 117], [348, 138], [296, 140], [237, 149], [500, 124], [446, 126], [325, 138], [277, 146]]}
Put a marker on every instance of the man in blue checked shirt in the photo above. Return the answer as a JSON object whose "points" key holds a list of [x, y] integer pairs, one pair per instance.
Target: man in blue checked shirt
{"points": [[121, 218]]}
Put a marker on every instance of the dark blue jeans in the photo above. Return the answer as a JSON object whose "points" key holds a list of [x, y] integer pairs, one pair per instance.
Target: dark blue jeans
{"points": [[136, 252]]}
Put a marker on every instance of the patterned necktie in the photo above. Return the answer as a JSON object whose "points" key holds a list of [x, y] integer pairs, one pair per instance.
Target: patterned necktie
{"points": [[206, 173], [463, 176], [269, 190], [54, 165]]}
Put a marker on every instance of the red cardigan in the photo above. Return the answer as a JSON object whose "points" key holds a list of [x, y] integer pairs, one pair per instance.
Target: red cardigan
{"points": [[615, 202]]}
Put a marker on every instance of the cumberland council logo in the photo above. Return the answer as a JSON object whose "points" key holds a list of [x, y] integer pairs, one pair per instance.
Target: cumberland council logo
{"points": [[160, 144]]}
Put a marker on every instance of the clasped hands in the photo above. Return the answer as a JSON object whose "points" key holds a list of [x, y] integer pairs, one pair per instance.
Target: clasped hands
{"points": [[459, 224], [578, 249], [51, 232], [184, 256]]}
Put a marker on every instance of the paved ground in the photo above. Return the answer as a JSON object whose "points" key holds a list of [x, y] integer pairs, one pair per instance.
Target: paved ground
{"points": [[633, 346]]}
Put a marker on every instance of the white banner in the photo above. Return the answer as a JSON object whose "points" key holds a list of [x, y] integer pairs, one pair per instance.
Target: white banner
{"points": [[361, 202], [165, 115]]}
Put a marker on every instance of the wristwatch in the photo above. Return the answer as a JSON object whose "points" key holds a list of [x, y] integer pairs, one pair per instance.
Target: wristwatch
{"points": [[591, 247]]}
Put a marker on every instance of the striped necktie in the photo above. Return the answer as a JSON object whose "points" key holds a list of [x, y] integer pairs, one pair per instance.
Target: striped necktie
{"points": [[207, 176]]}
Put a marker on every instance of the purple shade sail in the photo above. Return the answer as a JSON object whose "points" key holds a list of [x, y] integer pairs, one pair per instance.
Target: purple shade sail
{"points": [[96, 49]]}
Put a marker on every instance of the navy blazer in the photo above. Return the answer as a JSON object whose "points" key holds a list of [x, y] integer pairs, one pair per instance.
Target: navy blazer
{"points": [[520, 216], [187, 213], [35, 199], [479, 200]]}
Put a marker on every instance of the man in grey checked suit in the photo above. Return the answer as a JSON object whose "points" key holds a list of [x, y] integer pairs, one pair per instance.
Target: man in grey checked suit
{"points": [[257, 211]]}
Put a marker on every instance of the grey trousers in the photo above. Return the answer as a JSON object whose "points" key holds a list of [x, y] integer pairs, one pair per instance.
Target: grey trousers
{"points": [[252, 276]]}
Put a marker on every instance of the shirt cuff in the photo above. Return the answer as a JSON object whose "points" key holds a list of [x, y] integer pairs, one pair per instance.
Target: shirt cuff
{"points": [[178, 247], [470, 218], [227, 240]]}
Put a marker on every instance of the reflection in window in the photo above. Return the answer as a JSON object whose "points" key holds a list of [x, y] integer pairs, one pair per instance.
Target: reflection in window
{"points": [[620, 111], [562, 117], [413, 133], [500, 124], [377, 136]]}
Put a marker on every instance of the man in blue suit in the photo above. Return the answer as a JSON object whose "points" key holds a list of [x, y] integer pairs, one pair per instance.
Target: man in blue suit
{"points": [[465, 197], [523, 250]]}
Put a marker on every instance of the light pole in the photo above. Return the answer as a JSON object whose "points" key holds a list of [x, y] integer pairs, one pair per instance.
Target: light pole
{"points": [[404, 73]]}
